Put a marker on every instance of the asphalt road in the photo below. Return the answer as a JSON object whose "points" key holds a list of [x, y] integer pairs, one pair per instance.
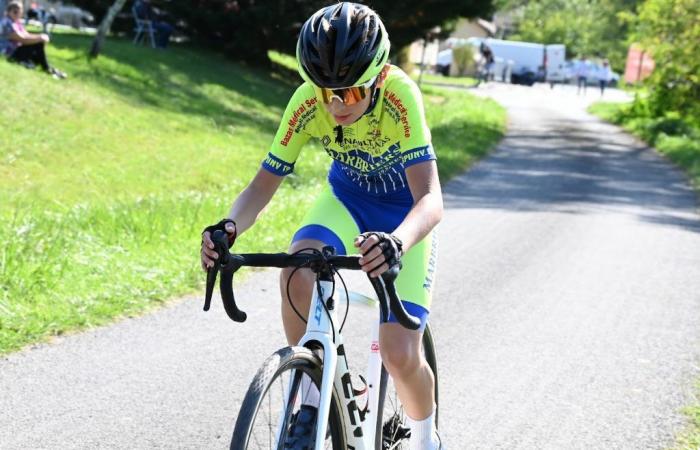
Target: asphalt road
{"points": [[566, 314]]}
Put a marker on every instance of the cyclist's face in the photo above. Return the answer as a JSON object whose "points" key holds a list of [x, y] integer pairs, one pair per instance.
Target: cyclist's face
{"points": [[344, 114]]}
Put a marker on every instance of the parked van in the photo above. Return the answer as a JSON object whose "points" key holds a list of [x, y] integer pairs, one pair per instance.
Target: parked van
{"points": [[555, 63], [528, 61]]}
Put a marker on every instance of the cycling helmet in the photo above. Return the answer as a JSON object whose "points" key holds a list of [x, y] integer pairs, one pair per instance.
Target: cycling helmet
{"points": [[342, 45]]}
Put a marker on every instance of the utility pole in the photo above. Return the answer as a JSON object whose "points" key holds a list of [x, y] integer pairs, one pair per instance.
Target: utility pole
{"points": [[429, 37]]}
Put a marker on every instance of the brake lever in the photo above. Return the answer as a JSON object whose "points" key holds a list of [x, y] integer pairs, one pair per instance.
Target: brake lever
{"points": [[214, 270], [211, 281], [227, 264], [389, 299], [382, 297]]}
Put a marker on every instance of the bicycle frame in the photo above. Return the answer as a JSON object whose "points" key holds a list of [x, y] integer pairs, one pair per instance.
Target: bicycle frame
{"points": [[322, 330]]}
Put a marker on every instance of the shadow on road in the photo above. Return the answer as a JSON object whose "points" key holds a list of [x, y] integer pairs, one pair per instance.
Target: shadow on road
{"points": [[566, 168]]}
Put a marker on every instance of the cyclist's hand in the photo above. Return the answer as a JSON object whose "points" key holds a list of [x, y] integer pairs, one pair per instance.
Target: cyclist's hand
{"points": [[208, 255], [380, 252]]}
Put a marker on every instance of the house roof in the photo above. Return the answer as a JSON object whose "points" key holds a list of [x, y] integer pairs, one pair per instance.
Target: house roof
{"points": [[489, 27]]}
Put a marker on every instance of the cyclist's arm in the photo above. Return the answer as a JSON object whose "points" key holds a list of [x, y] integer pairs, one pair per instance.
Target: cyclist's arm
{"points": [[426, 212], [285, 148], [247, 207]]}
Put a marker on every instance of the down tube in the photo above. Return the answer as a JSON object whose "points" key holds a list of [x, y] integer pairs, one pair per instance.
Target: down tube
{"points": [[374, 372], [359, 431]]}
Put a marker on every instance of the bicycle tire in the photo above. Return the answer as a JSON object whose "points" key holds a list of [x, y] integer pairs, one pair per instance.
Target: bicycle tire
{"points": [[391, 427], [292, 362]]}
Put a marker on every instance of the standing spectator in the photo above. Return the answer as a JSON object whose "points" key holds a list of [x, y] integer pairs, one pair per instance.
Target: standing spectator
{"points": [[582, 69], [604, 76], [487, 61], [145, 11], [23, 47]]}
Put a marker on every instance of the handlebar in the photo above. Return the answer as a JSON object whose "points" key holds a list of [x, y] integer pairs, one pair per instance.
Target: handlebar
{"points": [[325, 261]]}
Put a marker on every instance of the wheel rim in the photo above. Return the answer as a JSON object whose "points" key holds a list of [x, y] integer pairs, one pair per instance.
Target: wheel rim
{"points": [[273, 414]]}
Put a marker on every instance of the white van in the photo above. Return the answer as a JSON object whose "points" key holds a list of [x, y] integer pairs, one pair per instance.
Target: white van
{"points": [[528, 61], [555, 63]]}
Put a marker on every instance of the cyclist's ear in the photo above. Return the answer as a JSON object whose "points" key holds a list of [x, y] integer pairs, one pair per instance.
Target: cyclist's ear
{"points": [[383, 74]]}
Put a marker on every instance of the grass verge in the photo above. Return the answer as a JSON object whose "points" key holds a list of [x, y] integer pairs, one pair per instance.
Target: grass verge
{"points": [[673, 136], [107, 178], [433, 79], [690, 438]]}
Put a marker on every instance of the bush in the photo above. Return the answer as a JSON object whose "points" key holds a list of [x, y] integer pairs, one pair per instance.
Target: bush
{"points": [[670, 31], [463, 59]]}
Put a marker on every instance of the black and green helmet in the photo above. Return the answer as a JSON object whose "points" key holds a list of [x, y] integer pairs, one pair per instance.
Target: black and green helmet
{"points": [[342, 45]]}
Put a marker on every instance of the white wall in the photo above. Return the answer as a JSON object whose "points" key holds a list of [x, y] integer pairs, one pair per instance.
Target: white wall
{"points": [[416, 51]]}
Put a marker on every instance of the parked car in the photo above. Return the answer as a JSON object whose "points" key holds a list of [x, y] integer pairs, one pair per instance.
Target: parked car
{"points": [[59, 13], [72, 15], [593, 70]]}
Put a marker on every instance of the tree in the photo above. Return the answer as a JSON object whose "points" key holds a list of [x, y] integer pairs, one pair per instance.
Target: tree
{"points": [[247, 29], [670, 31], [105, 25], [586, 27]]}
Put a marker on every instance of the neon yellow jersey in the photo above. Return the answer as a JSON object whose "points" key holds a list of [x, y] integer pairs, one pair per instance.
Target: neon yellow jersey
{"points": [[369, 155]]}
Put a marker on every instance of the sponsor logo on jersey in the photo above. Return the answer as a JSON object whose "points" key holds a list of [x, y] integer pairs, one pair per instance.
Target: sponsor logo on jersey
{"points": [[364, 162], [416, 154], [428, 282], [402, 112], [280, 167], [300, 117]]}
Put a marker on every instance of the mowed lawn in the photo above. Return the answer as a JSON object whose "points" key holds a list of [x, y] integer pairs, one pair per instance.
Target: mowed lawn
{"points": [[107, 178]]}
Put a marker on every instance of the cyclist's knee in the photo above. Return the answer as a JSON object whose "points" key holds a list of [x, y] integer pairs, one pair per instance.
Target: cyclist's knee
{"points": [[300, 284], [302, 280], [400, 350]]}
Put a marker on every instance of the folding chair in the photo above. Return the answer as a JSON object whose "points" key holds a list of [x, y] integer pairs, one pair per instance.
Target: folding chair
{"points": [[143, 27]]}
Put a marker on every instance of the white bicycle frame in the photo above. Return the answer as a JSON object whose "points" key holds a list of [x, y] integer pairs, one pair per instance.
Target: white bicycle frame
{"points": [[322, 328]]}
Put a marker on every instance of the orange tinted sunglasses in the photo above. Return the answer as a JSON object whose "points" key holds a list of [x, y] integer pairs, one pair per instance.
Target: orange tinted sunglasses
{"points": [[349, 95]]}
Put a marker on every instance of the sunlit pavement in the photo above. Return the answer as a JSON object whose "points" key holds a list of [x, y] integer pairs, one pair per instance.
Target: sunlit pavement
{"points": [[565, 313]]}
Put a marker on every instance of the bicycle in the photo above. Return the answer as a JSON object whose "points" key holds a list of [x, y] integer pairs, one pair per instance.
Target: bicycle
{"points": [[267, 409]]}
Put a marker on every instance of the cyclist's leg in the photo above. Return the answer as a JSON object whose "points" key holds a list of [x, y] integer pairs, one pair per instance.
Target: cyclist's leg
{"points": [[401, 348], [327, 223]]}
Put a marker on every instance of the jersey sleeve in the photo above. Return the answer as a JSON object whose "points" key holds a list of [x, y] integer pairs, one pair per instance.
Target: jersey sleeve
{"points": [[293, 131], [404, 96]]}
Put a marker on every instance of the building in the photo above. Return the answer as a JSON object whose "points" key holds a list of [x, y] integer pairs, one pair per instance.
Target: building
{"points": [[465, 28]]}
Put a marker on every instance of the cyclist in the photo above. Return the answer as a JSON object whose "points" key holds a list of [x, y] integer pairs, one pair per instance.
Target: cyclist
{"points": [[383, 197]]}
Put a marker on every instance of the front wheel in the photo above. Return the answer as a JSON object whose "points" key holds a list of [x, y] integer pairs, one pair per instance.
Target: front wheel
{"points": [[275, 395], [392, 428]]}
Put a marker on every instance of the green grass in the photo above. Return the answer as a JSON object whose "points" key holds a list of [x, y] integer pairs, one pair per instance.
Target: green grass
{"points": [[434, 79], [107, 178], [690, 438], [673, 136]]}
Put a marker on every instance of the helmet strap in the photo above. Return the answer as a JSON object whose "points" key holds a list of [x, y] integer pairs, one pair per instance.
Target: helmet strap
{"points": [[373, 102]]}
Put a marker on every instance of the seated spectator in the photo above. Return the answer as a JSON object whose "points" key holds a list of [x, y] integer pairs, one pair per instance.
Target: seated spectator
{"points": [[23, 47], [145, 11]]}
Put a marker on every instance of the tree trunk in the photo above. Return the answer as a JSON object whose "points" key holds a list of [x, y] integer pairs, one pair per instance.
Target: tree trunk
{"points": [[104, 28]]}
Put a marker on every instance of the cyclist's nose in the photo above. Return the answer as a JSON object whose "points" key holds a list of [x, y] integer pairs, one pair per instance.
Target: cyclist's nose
{"points": [[336, 106]]}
